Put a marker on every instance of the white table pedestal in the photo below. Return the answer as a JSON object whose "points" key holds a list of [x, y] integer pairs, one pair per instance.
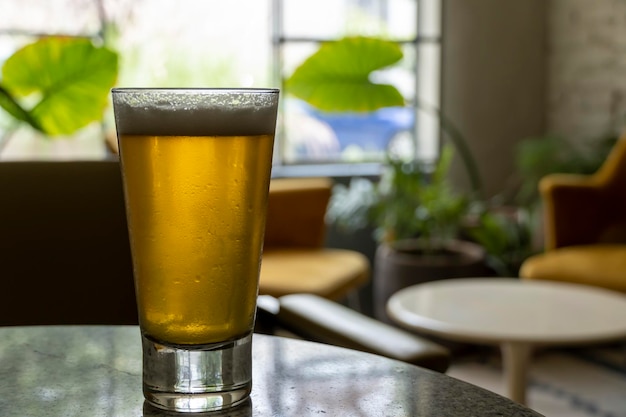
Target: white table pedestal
{"points": [[516, 362]]}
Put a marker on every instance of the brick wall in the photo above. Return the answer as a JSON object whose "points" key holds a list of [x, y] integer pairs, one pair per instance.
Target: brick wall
{"points": [[586, 91]]}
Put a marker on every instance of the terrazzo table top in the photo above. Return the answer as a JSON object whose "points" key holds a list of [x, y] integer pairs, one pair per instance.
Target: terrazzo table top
{"points": [[54, 371]]}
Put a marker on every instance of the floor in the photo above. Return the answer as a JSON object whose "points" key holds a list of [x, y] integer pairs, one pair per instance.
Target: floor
{"points": [[563, 383]]}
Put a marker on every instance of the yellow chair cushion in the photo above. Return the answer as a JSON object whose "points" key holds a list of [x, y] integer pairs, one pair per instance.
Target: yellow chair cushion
{"points": [[602, 265], [329, 273]]}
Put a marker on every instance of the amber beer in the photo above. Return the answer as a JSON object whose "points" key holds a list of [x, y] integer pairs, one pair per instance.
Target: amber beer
{"points": [[196, 215], [196, 167]]}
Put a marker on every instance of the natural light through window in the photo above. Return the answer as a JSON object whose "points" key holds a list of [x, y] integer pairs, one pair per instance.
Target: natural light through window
{"points": [[242, 43]]}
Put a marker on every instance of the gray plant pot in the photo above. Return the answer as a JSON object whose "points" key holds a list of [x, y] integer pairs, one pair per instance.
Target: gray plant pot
{"points": [[402, 264]]}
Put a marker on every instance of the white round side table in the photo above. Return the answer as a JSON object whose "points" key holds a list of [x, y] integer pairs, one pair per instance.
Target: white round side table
{"points": [[515, 314]]}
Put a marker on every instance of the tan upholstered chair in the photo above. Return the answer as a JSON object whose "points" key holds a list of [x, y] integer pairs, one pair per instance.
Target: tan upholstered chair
{"points": [[294, 257], [585, 226]]}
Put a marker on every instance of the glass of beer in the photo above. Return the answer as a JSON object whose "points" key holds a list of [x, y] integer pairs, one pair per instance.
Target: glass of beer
{"points": [[196, 169]]}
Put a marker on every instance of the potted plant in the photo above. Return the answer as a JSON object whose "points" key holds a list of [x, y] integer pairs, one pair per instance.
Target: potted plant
{"points": [[414, 209], [56, 86], [505, 232], [417, 218]]}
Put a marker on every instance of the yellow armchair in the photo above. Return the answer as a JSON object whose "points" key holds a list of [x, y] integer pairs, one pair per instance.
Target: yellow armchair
{"points": [[295, 259], [584, 226]]}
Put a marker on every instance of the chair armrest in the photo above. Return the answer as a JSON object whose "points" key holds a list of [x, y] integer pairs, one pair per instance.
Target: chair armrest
{"points": [[573, 208], [587, 209], [321, 320]]}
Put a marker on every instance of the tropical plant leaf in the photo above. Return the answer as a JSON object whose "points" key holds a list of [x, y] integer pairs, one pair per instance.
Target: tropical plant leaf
{"points": [[8, 103], [69, 78], [336, 77]]}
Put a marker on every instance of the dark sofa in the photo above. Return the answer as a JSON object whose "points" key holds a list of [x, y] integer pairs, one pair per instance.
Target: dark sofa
{"points": [[65, 259]]}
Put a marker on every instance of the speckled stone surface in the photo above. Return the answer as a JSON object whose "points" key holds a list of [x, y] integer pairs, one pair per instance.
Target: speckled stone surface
{"points": [[96, 371]]}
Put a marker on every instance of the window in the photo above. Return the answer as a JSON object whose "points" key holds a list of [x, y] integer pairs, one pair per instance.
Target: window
{"points": [[247, 43], [161, 43], [21, 22], [309, 136]]}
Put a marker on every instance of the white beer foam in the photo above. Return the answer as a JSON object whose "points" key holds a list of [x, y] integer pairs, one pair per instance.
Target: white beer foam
{"points": [[195, 112]]}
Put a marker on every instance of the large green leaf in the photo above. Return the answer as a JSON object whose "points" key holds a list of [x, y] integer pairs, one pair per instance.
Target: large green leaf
{"points": [[14, 109], [69, 80], [336, 77]]}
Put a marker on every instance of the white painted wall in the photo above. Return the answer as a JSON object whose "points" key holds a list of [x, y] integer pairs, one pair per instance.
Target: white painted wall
{"points": [[494, 79]]}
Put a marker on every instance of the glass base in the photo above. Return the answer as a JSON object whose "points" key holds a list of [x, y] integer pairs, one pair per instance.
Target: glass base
{"points": [[241, 410], [197, 378]]}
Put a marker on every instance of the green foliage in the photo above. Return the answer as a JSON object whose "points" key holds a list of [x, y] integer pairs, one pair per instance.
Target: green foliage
{"points": [[506, 238], [58, 85], [410, 200], [8, 103], [537, 157], [442, 209], [336, 77]]}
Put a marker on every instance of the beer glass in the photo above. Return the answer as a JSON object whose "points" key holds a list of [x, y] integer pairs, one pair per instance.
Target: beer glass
{"points": [[196, 168]]}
